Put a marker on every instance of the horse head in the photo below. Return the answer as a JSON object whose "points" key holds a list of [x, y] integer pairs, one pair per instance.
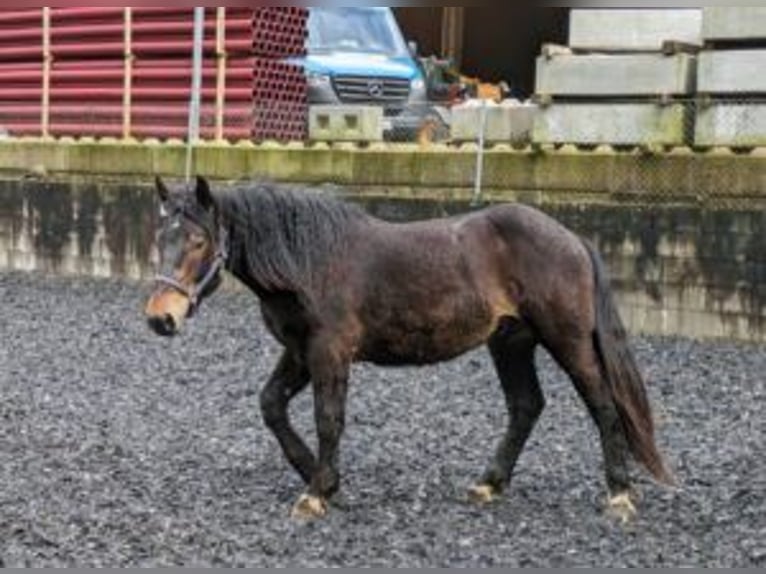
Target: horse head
{"points": [[193, 248]]}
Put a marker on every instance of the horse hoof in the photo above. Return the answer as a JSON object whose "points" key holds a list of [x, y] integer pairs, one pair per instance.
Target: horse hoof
{"points": [[482, 494], [309, 508], [622, 508]]}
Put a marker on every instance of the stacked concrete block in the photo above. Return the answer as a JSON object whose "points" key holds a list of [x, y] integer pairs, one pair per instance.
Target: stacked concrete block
{"points": [[622, 124], [733, 72], [330, 123], [734, 125], [507, 122], [624, 79], [732, 78], [732, 24], [601, 75], [636, 30]]}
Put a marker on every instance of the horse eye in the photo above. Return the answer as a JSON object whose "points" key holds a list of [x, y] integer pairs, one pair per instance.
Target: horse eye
{"points": [[197, 241]]}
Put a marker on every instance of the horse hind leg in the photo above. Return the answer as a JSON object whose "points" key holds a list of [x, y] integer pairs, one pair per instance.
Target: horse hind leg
{"points": [[513, 353], [579, 358]]}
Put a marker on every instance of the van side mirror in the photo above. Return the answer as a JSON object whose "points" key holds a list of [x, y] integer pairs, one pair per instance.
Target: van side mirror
{"points": [[413, 47]]}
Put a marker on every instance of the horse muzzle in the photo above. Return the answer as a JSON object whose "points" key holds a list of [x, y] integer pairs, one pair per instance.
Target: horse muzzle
{"points": [[164, 326], [166, 312]]}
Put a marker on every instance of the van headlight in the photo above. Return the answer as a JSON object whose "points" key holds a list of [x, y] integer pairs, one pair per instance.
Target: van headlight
{"points": [[316, 80], [418, 92]]}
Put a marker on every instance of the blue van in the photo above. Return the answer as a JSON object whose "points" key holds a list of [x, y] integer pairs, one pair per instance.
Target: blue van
{"points": [[359, 56]]}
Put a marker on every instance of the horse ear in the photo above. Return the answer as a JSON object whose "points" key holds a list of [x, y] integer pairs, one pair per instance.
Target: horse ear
{"points": [[162, 189], [204, 194]]}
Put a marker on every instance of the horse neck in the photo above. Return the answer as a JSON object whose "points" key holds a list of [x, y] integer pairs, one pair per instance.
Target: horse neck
{"points": [[283, 270], [236, 263], [240, 249]]}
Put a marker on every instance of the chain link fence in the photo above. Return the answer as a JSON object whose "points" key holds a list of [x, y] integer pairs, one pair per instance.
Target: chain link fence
{"points": [[700, 149]]}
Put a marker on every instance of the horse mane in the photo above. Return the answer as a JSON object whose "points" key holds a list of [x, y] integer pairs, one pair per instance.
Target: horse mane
{"points": [[282, 236]]}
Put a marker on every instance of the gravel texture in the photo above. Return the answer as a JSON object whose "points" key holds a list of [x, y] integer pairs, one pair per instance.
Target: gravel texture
{"points": [[118, 448]]}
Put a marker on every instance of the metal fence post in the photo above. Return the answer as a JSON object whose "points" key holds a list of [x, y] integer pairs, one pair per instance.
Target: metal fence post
{"points": [[127, 89], [478, 184], [45, 112], [220, 89], [196, 90]]}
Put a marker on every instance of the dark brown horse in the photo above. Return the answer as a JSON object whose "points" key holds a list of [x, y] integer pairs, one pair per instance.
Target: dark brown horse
{"points": [[337, 286]]}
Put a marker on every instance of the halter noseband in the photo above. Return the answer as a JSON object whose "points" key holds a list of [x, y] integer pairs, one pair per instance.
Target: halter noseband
{"points": [[219, 263]]}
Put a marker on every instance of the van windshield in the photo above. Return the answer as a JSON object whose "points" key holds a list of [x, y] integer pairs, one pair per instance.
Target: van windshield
{"points": [[362, 30]]}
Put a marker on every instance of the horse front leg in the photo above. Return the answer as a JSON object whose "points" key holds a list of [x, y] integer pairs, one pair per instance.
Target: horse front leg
{"points": [[329, 373], [289, 379]]}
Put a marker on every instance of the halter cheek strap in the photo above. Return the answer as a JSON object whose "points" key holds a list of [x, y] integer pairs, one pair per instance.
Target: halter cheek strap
{"points": [[219, 263]]}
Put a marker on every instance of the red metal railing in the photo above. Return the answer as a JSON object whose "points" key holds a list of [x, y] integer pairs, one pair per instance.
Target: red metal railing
{"points": [[126, 72]]}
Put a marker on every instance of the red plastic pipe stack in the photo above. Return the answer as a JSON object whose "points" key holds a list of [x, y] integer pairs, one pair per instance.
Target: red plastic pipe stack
{"points": [[163, 42], [87, 71], [280, 93], [264, 98], [20, 71]]}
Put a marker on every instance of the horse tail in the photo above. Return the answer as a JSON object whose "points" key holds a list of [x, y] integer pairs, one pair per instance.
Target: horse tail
{"points": [[623, 377]]}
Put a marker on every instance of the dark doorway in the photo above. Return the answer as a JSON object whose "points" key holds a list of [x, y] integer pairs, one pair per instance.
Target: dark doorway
{"points": [[494, 44]]}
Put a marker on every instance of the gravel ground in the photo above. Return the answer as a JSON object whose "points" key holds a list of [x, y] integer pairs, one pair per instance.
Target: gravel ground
{"points": [[118, 448]]}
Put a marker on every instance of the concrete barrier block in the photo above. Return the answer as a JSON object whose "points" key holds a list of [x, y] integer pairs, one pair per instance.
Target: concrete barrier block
{"points": [[634, 29], [616, 124], [728, 23], [732, 72], [731, 125], [616, 75], [346, 123], [508, 122]]}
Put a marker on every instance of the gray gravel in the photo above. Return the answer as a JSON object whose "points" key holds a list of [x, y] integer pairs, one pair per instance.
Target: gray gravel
{"points": [[118, 448]]}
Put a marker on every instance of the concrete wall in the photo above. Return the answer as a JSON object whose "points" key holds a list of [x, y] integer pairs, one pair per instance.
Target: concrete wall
{"points": [[718, 176], [96, 230], [691, 263]]}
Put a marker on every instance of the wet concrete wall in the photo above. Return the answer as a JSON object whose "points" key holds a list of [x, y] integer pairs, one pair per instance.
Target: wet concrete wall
{"points": [[93, 230], [677, 270]]}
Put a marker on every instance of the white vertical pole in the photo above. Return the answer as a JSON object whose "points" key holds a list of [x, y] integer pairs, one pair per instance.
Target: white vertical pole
{"points": [[480, 157], [220, 88], [45, 119], [127, 90], [196, 90]]}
